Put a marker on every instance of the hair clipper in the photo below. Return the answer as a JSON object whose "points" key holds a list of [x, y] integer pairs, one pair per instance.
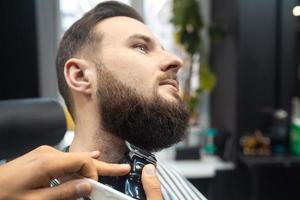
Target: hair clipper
{"points": [[137, 158]]}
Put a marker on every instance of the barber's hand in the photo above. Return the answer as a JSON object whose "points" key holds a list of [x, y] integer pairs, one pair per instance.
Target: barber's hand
{"points": [[151, 183], [28, 177]]}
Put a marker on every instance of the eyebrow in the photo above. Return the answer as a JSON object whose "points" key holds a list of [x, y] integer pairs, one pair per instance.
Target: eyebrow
{"points": [[145, 38]]}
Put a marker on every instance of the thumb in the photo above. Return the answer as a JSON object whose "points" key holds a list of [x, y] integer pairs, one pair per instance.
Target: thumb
{"points": [[151, 183], [68, 190]]}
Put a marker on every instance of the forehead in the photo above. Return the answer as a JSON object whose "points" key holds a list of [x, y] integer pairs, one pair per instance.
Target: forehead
{"points": [[118, 29]]}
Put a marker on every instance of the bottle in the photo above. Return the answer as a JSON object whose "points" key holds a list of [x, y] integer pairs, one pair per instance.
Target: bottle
{"points": [[210, 147], [295, 127], [279, 132]]}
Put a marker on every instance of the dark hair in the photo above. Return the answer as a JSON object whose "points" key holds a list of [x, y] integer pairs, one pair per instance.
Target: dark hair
{"points": [[80, 35]]}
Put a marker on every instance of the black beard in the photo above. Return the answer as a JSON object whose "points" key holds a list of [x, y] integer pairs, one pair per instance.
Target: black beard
{"points": [[149, 124]]}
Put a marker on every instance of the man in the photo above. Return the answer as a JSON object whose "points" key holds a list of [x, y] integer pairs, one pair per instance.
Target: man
{"points": [[120, 84]]}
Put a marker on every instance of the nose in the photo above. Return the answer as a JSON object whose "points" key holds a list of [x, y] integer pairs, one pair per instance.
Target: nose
{"points": [[171, 62]]}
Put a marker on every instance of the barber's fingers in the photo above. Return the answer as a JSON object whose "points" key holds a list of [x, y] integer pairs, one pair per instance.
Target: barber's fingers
{"points": [[108, 169], [102, 168], [47, 163], [151, 183], [69, 190], [70, 163]]}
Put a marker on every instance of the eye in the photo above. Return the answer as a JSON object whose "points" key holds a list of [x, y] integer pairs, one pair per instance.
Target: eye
{"points": [[141, 47]]}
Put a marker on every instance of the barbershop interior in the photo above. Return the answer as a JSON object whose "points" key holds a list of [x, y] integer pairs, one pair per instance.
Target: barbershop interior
{"points": [[240, 82]]}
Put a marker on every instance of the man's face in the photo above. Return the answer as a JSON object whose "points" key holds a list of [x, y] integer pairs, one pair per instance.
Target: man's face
{"points": [[135, 57], [137, 88]]}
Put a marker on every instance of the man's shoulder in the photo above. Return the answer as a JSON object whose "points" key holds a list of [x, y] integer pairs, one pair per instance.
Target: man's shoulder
{"points": [[175, 186]]}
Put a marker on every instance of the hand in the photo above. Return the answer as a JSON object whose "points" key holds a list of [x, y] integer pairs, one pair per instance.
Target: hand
{"points": [[151, 183], [28, 177]]}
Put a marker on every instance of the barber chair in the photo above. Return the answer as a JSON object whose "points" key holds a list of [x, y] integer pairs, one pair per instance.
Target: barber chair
{"points": [[28, 123]]}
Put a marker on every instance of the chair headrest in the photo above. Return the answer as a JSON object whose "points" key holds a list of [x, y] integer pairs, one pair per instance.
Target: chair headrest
{"points": [[29, 123]]}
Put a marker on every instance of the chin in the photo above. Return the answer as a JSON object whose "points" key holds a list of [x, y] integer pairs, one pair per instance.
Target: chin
{"points": [[171, 97]]}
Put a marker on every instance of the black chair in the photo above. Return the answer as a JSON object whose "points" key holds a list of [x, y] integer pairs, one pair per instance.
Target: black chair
{"points": [[28, 123]]}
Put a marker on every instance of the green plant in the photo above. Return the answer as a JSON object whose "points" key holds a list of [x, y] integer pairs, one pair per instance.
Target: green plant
{"points": [[190, 33]]}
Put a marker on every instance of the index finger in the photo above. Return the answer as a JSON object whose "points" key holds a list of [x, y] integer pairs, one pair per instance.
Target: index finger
{"points": [[109, 169]]}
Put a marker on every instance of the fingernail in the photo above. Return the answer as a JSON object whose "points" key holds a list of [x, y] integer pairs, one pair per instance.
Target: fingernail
{"points": [[127, 166], [83, 188], [150, 170], [95, 154]]}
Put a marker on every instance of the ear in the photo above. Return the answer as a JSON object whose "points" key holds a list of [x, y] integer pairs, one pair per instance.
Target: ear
{"points": [[79, 76]]}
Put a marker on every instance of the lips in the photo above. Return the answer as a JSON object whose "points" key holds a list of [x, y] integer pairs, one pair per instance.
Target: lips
{"points": [[171, 82]]}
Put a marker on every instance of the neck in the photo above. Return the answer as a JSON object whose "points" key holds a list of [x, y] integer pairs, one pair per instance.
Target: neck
{"points": [[90, 138]]}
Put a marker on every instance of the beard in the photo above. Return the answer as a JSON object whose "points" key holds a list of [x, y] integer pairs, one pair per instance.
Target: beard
{"points": [[151, 124]]}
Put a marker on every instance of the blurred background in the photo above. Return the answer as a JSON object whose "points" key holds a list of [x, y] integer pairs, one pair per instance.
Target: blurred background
{"points": [[240, 81]]}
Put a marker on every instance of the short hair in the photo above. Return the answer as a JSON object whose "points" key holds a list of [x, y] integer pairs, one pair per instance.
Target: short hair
{"points": [[80, 35]]}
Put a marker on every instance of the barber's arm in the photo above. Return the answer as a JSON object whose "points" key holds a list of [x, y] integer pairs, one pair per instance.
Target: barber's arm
{"points": [[28, 177]]}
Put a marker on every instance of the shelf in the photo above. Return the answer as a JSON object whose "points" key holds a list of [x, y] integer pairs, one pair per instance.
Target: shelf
{"points": [[283, 160], [206, 167]]}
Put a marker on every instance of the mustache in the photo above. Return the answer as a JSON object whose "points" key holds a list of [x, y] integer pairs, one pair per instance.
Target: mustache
{"points": [[168, 75]]}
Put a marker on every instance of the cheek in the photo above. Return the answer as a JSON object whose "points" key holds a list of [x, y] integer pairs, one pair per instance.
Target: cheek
{"points": [[133, 70], [142, 82]]}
